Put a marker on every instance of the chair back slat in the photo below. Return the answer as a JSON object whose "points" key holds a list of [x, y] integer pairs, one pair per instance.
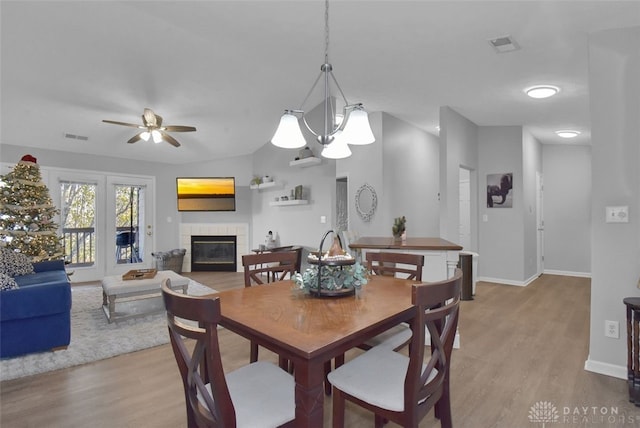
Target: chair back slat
{"points": [[203, 364], [269, 266], [392, 264]]}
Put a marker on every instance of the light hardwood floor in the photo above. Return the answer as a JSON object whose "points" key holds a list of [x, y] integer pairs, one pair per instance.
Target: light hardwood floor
{"points": [[519, 346]]}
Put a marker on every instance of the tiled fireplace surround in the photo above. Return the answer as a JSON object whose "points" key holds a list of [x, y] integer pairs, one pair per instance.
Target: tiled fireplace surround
{"points": [[239, 230]]}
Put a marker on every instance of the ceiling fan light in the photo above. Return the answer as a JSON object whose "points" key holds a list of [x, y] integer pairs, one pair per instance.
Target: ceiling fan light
{"points": [[157, 136], [357, 130], [145, 135], [337, 149], [288, 135]]}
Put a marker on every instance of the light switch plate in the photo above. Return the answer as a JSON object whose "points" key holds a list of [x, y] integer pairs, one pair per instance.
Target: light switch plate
{"points": [[617, 214]]}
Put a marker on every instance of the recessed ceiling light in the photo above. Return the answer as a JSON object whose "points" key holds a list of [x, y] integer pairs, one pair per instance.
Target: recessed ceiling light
{"points": [[567, 133], [542, 91]]}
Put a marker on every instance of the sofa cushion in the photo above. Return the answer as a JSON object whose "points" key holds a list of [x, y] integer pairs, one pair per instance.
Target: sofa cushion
{"points": [[42, 278], [35, 299], [7, 283], [14, 264]]}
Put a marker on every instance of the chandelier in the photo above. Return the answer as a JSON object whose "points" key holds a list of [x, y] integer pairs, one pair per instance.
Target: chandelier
{"points": [[339, 130]]}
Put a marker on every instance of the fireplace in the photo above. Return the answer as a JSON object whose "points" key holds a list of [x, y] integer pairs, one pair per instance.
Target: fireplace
{"points": [[213, 253]]}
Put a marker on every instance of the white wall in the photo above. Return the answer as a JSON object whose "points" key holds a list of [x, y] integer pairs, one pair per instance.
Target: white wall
{"points": [[502, 235], [567, 209], [458, 147], [614, 91], [297, 224], [411, 171], [365, 167]]}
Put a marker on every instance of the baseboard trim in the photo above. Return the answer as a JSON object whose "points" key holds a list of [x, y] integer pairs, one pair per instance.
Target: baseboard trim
{"points": [[503, 281], [567, 273], [607, 369]]}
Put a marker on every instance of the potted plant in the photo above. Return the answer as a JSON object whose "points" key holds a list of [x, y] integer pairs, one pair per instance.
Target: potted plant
{"points": [[399, 228]]}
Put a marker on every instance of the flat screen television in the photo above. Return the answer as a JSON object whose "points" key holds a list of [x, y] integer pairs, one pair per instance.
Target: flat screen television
{"points": [[206, 193]]}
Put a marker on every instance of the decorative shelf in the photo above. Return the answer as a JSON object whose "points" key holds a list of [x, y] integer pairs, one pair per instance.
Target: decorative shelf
{"points": [[263, 185], [291, 202], [306, 162]]}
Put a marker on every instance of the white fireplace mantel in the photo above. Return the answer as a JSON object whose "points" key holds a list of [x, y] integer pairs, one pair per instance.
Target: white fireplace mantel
{"points": [[240, 230]]}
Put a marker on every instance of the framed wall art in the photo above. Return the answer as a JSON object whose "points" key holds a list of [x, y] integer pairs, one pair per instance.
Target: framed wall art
{"points": [[500, 190]]}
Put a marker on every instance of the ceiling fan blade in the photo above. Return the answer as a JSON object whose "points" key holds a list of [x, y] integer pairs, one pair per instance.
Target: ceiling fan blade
{"points": [[135, 138], [169, 139], [122, 123], [179, 128], [149, 118]]}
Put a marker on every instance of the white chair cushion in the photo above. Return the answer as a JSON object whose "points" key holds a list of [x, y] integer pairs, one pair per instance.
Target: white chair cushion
{"points": [[262, 395], [376, 377], [393, 338]]}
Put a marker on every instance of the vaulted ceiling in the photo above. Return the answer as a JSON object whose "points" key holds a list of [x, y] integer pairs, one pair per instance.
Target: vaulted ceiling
{"points": [[230, 68]]}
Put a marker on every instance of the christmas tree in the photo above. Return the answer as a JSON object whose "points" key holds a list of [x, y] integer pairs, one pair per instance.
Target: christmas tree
{"points": [[27, 213]]}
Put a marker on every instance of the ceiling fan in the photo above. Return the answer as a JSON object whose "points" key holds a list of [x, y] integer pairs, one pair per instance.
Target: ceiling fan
{"points": [[152, 128]]}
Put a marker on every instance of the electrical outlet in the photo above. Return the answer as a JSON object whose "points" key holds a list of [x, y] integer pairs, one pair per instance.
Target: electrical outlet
{"points": [[612, 329]]}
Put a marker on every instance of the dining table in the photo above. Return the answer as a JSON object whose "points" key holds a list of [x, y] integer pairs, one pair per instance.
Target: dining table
{"points": [[309, 331]]}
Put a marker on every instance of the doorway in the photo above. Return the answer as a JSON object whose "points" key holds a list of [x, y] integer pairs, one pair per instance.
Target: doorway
{"points": [[540, 222], [129, 223], [106, 222], [342, 204], [465, 208]]}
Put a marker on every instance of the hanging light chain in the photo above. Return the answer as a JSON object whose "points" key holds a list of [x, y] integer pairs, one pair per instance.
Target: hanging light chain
{"points": [[326, 31]]}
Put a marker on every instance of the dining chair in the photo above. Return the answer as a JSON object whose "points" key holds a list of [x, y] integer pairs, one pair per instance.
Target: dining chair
{"points": [[401, 388], [386, 264], [297, 249], [264, 268], [408, 266], [258, 394]]}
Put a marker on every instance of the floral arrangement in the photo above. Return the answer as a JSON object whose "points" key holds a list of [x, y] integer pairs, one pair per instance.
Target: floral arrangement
{"points": [[334, 278]]}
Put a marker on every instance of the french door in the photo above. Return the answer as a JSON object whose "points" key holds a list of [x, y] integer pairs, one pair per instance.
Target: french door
{"points": [[129, 224], [106, 222]]}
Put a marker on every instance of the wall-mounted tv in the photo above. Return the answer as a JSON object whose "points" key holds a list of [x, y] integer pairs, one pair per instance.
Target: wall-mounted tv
{"points": [[206, 193]]}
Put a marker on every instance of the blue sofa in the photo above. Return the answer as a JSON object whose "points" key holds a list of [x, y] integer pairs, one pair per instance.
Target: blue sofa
{"points": [[36, 317]]}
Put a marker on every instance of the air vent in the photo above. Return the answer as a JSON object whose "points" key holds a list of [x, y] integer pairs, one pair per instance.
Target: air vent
{"points": [[504, 44], [75, 137]]}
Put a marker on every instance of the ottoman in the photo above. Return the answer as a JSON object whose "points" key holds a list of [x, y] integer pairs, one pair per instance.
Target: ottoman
{"points": [[137, 297]]}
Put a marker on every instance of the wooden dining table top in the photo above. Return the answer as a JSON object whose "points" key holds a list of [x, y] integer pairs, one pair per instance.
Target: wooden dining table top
{"points": [[307, 325], [309, 331]]}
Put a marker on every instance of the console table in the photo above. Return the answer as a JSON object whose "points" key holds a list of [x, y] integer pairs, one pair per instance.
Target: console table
{"points": [[441, 256]]}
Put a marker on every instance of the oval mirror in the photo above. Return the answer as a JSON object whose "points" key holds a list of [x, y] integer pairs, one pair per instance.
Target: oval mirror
{"points": [[366, 202]]}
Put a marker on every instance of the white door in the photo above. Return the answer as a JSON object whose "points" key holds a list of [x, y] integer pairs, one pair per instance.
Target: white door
{"points": [[129, 224], [540, 221], [80, 197], [465, 209]]}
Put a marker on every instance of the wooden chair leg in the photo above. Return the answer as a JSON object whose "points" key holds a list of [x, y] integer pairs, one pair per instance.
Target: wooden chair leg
{"points": [[443, 407], [254, 353], [379, 421], [338, 409]]}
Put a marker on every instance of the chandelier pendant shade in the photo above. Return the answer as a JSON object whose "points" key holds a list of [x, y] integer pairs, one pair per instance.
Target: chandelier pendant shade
{"points": [[336, 134]]}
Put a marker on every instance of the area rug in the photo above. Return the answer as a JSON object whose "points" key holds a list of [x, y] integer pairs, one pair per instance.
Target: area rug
{"points": [[93, 338]]}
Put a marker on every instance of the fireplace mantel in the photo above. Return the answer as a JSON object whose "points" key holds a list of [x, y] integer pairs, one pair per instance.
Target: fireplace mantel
{"points": [[240, 230]]}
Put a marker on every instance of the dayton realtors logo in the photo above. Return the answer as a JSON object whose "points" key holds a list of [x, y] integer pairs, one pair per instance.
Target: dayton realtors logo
{"points": [[545, 412]]}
